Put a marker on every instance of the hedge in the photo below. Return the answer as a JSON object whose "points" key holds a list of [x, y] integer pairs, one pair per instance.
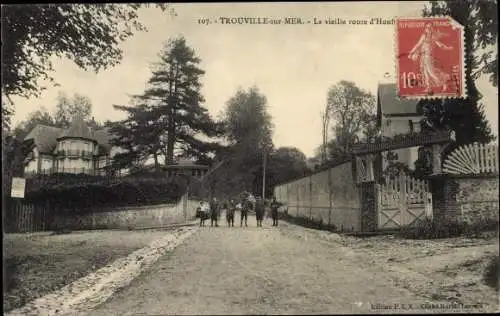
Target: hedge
{"points": [[123, 193]]}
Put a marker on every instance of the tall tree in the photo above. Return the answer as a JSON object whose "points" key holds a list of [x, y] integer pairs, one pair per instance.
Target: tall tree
{"points": [[137, 135], [370, 131], [350, 107], [248, 124], [171, 114], [249, 131], [466, 116]]}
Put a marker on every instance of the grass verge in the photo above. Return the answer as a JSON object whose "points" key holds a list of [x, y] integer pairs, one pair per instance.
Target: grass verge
{"points": [[38, 264], [491, 275]]}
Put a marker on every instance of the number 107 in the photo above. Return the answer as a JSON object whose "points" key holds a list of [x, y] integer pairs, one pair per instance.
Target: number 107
{"points": [[411, 80]]}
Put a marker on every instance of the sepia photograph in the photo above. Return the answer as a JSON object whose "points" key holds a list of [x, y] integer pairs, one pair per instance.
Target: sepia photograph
{"points": [[250, 158]]}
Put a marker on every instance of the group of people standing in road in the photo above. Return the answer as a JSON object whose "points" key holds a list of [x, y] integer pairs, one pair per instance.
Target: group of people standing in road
{"points": [[214, 209]]}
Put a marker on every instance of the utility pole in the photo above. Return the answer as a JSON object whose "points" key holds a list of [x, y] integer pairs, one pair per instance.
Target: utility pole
{"points": [[264, 162]]}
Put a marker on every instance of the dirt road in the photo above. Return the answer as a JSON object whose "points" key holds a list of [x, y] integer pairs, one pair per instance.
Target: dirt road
{"points": [[264, 270]]}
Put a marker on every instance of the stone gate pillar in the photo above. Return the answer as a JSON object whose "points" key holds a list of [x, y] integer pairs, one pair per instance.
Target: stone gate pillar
{"points": [[368, 197], [368, 192]]}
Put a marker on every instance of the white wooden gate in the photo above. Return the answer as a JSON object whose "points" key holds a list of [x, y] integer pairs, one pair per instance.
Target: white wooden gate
{"points": [[403, 201]]}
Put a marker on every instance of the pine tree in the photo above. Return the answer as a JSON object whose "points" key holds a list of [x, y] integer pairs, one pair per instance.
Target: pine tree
{"points": [[137, 135], [170, 117], [175, 92]]}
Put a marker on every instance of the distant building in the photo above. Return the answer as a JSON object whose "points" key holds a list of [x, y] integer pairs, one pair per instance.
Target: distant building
{"points": [[77, 149], [182, 167], [186, 167], [398, 116]]}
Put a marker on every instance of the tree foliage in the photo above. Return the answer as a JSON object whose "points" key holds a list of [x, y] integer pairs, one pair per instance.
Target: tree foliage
{"points": [[465, 116], [137, 135], [40, 116], [169, 118], [67, 108], [480, 18], [352, 110], [248, 130], [287, 163], [283, 164], [248, 125], [64, 111], [88, 34]]}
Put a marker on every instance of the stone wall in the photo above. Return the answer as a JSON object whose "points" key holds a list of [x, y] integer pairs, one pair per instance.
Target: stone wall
{"points": [[309, 197], [466, 198], [131, 217]]}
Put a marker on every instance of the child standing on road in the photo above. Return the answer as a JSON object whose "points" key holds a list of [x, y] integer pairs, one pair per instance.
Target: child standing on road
{"points": [[244, 212], [203, 208], [230, 214], [274, 210], [259, 211]]}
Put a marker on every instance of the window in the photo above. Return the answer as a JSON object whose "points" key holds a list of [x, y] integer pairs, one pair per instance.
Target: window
{"points": [[410, 123], [416, 127]]}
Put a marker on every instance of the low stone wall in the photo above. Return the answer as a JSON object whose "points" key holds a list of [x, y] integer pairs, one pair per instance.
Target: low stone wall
{"points": [[466, 198], [131, 217]]}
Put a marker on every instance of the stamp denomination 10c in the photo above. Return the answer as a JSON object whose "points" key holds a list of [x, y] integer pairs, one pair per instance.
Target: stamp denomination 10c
{"points": [[430, 58]]}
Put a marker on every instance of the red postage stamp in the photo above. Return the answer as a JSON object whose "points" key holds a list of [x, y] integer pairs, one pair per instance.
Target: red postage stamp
{"points": [[430, 58]]}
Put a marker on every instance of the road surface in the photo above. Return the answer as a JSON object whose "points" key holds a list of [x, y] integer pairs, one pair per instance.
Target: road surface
{"points": [[260, 271]]}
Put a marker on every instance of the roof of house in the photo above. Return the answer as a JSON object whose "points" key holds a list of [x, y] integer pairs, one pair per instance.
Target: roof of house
{"points": [[389, 102], [45, 137], [186, 163], [102, 138], [78, 129]]}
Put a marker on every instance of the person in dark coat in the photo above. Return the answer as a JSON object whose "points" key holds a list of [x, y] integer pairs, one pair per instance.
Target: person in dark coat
{"points": [[214, 212], [274, 210], [230, 209], [245, 206], [259, 211]]}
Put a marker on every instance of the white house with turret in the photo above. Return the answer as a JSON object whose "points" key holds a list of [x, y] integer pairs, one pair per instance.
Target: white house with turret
{"points": [[77, 149], [81, 149]]}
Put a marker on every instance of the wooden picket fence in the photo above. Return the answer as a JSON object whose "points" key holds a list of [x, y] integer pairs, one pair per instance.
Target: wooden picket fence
{"points": [[473, 159], [23, 218]]}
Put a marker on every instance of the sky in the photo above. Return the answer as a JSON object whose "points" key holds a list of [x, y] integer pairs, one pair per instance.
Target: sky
{"points": [[292, 65]]}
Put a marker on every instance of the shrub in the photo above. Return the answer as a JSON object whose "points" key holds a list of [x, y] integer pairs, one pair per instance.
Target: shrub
{"points": [[428, 229], [481, 225], [306, 222], [492, 273]]}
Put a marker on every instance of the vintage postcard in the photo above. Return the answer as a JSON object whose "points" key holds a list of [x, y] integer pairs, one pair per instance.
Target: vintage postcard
{"points": [[250, 158]]}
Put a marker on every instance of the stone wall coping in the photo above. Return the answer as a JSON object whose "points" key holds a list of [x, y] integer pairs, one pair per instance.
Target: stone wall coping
{"points": [[463, 176], [139, 208]]}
